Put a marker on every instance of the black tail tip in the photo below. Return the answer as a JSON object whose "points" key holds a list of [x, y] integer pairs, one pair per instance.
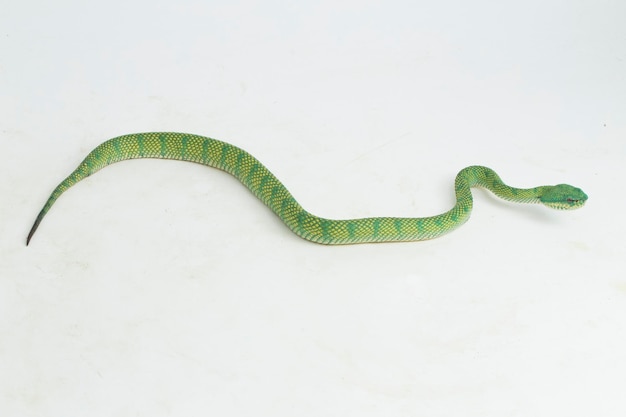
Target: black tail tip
{"points": [[30, 234]]}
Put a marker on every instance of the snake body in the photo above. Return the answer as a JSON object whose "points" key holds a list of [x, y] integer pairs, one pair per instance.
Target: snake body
{"points": [[255, 176]]}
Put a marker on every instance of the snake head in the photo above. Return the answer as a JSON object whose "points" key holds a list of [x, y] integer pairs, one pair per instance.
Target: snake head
{"points": [[563, 197]]}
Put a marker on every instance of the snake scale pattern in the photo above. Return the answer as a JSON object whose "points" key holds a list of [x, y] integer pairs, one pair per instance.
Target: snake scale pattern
{"points": [[255, 176]]}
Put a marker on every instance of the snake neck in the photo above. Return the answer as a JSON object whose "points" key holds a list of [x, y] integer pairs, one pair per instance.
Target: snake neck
{"points": [[480, 176]]}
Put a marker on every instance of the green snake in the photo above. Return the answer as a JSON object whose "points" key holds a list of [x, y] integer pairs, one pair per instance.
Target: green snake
{"points": [[255, 176]]}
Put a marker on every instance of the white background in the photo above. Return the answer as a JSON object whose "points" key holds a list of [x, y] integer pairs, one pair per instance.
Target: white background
{"points": [[160, 288]]}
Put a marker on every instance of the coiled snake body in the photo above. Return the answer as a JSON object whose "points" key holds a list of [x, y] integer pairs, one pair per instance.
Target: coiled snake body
{"points": [[273, 193]]}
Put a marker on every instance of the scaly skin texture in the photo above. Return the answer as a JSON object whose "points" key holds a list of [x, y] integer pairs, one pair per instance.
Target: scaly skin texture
{"points": [[272, 192]]}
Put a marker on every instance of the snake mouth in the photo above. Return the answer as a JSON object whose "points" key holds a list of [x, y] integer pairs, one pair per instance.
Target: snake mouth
{"points": [[575, 203], [566, 204]]}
